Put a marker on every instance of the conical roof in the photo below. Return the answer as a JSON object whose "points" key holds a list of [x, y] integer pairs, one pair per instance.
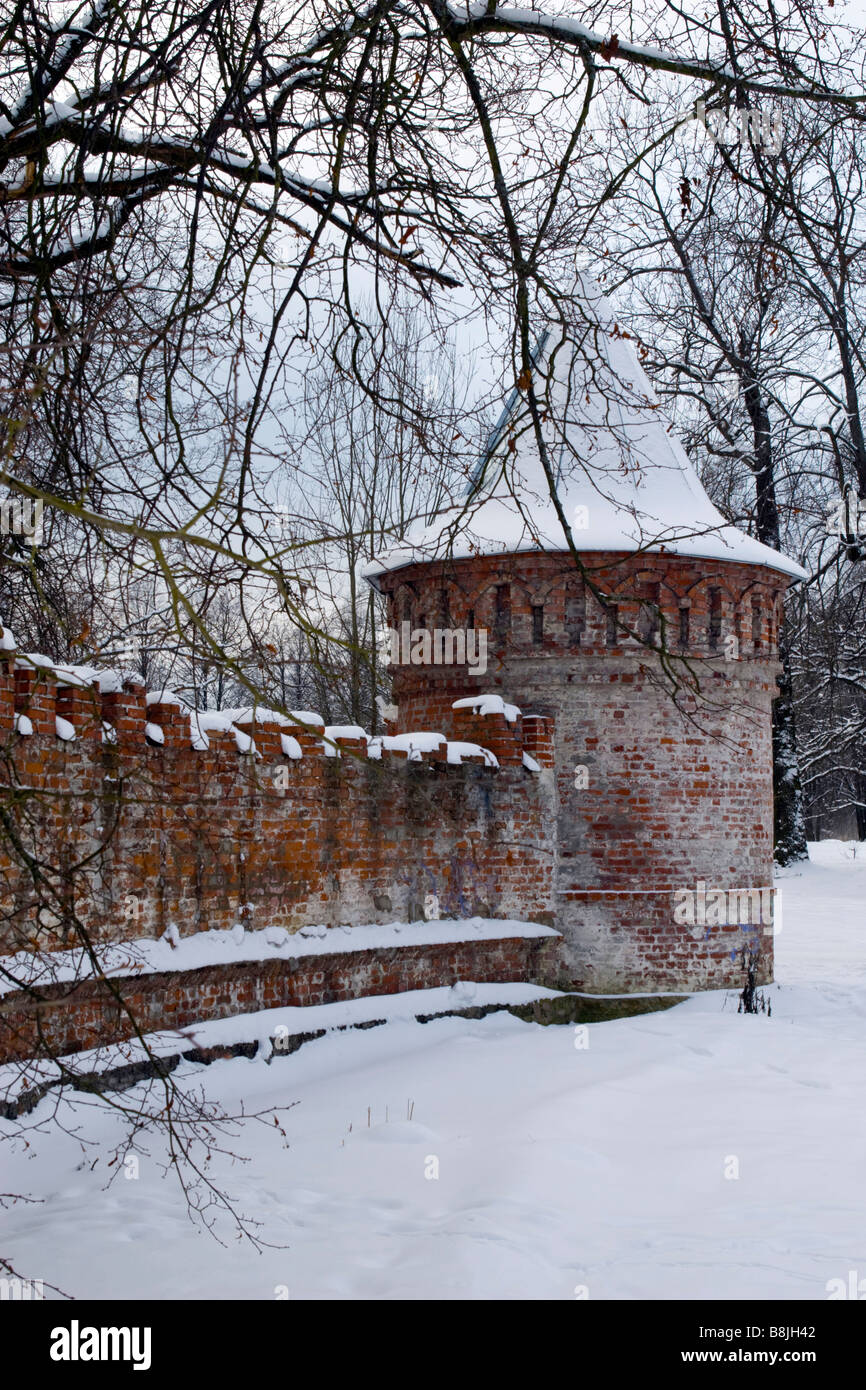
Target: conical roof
{"points": [[622, 478]]}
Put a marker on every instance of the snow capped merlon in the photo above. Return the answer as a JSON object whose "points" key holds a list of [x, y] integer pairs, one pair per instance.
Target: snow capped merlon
{"points": [[290, 746], [257, 714], [488, 704], [623, 480], [84, 676], [234, 722], [35, 660], [162, 720], [305, 716], [335, 731], [107, 680], [333, 734], [457, 751], [165, 697], [202, 722], [413, 745], [7, 639]]}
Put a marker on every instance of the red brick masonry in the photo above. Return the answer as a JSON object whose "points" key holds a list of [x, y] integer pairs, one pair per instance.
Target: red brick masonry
{"points": [[70, 1018], [151, 836], [129, 835], [663, 771]]}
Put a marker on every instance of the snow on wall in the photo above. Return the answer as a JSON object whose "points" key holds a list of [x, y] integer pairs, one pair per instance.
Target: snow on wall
{"points": [[69, 1022], [206, 819], [173, 952]]}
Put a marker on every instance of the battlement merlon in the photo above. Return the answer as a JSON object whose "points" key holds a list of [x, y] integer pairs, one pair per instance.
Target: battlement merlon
{"points": [[40, 698]]}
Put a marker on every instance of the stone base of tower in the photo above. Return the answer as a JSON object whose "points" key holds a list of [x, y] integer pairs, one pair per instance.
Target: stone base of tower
{"points": [[603, 951]]}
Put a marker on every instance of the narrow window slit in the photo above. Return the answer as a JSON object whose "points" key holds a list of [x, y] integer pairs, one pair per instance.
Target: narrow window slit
{"points": [[575, 615], [757, 624], [612, 629], [715, 627]]}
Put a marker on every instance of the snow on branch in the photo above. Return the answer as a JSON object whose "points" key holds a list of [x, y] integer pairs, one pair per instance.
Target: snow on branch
{"points": [[473, 20]]}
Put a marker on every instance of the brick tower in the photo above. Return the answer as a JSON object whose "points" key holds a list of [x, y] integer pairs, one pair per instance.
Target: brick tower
{"points": [[644, 669]]}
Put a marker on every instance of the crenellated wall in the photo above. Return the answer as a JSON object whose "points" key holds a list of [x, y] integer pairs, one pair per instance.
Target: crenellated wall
{"points": [[588, 804], [542, 617], [260, 823]]}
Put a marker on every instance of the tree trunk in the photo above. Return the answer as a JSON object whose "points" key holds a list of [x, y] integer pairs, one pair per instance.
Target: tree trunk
{"points": [[789, 826]]}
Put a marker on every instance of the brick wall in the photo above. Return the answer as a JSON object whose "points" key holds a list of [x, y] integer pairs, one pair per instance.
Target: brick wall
{"points": [[642, 793], [148, 836], [71, 1018]]}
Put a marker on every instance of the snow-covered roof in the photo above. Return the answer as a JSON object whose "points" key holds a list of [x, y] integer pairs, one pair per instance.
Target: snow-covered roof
{"points": [[623, 479]]}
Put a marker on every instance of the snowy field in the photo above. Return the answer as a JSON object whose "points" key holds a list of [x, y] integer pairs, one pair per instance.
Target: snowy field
{"points": [[605, 1169]]}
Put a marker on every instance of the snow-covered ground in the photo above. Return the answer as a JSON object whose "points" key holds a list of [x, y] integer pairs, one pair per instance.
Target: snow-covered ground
{"points": [[532, 1166]]}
